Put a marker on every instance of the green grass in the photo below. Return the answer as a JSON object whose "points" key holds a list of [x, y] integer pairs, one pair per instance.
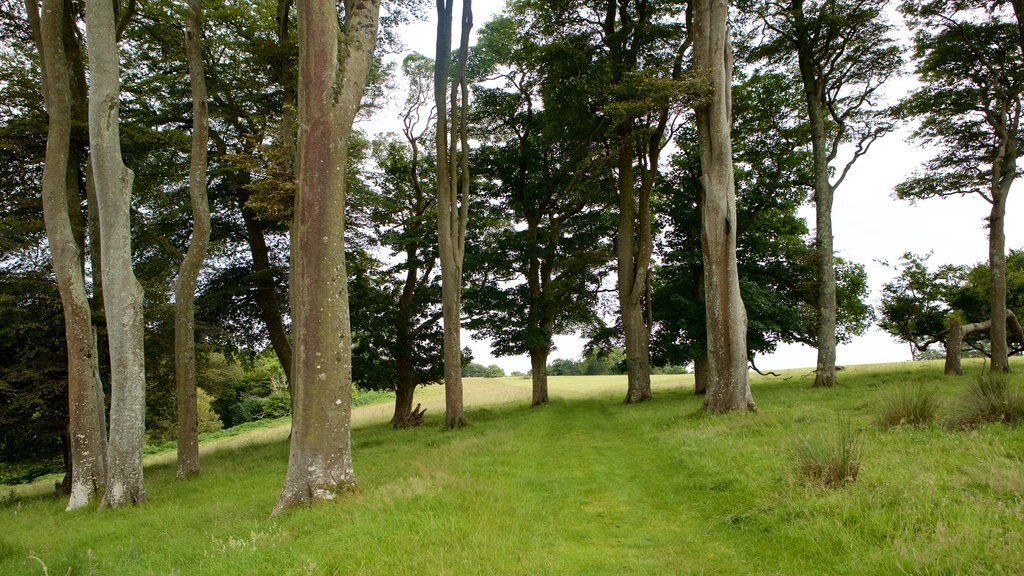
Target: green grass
{"points": [[585, 485]]}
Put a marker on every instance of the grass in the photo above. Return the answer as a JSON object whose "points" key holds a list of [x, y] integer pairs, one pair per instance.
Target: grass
{"points": [[991, 397], [585, 485], [914, 406], [832, 460]]}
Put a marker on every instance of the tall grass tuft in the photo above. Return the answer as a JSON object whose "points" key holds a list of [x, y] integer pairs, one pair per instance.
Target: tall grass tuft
{"points": [[831, 460], [914, 406], [992, 397]]}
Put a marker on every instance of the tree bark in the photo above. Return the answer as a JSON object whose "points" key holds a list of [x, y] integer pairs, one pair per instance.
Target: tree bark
{"points": [[700, 375], [122, 293], [86, 423], [266, 290], [825, 374], [405, 384], [1004, 170], [539, 367], [954, 343], [452, 177], [332, 79], [632, 255], [185, 289], [727, 385]]}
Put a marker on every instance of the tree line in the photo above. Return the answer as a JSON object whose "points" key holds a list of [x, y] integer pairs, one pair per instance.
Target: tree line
{"points": [[665, 144]]}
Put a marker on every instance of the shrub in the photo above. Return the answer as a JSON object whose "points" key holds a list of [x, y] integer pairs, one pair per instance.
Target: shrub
{"points": [[277, 405], [990, 398], [913, 406], [831, 460]]}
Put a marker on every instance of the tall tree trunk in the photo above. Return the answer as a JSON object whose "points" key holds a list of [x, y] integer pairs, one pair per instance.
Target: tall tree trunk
{"points": [[825, 374], [700, 374], [332, 80], [86, 423], [631, 278], [452, 177], [997, 285], [727, 385], [122, 293], [185, 289], [539, 374], [1004, 170]]}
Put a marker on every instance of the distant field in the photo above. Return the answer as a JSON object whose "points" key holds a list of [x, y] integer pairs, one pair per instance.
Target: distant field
{"points": [[583, 486]]}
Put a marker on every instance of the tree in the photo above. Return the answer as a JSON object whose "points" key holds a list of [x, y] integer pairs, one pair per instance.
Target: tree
{"points": [[122, 294], [332, 79], [86, 422], [727, 386], [950, 305], [536, 261], [842, 52], [970, 107], [185, 288], [776, 265], [452, 189]]}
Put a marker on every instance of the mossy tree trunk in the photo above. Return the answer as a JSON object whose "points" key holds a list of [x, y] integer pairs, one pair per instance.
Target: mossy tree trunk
{"points": [[727, 385], [185, 288], [452, 178], [122, 294], [333, 70], [87, 441]]}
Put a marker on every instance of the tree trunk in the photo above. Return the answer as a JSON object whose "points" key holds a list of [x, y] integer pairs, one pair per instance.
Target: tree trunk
{"points": [[1018, 10], [122, 292], [954, 342], [452, 170], [405, 342], [997, 285], [634, 327], [185, 290], [87, 441], [405, 390], [539, 366], [727, 385], [825, 374], [332, 79], [700, 375], [266, 290]]}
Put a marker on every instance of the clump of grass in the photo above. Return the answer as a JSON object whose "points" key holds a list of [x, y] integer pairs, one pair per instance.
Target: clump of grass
{"points": [[990, 398], [832, 460], [914, 406]]}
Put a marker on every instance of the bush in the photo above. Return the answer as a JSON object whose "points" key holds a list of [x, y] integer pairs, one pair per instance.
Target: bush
{"points": [[832, 460], [277, 405], [990, 398], [913, 406]]}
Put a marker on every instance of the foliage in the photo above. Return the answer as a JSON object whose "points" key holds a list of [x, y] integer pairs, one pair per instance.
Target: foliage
{"points": [[970, 101], [776, 263], [910, 405], [917, 305], [991, 397], [831, 460], [474, 370]]}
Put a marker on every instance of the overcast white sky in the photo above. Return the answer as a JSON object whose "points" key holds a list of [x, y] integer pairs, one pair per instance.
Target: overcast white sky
{"points": [[869, 225]]}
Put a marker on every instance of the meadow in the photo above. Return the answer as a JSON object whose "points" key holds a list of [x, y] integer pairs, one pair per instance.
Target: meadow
{"points": [[585, 485]]}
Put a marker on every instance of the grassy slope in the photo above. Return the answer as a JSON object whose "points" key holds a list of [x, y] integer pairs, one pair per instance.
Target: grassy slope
{"points": [[583, 486]]}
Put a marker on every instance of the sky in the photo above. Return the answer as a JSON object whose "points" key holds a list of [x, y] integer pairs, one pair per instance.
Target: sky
{"points": [[870, 225]]}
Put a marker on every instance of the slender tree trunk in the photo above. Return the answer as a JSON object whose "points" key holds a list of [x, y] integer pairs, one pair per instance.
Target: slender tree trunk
{"points": [[332, 79], [635, 334], [86, 425], [185, 290], [452, 170], [727, 385], [266, 290], [122, 292], [997, 285], [539, 367], [405, 384]]}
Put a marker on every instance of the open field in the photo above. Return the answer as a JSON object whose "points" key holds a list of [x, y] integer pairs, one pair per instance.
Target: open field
{"points": [[583, 486]]}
